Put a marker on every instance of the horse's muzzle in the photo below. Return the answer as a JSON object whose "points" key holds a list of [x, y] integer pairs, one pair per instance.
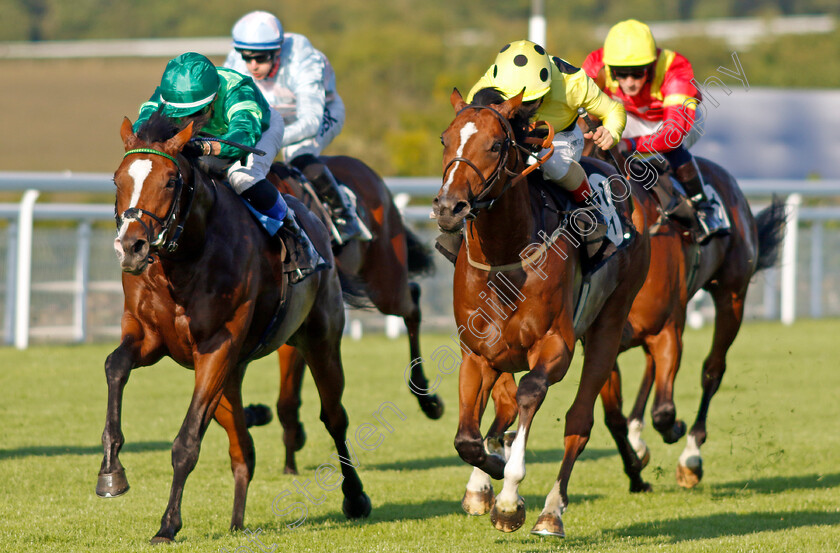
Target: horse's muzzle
{"points": [[450, 213], [133, 255]]}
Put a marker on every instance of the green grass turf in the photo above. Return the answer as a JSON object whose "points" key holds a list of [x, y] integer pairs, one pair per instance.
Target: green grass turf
{"points": [[771, 481]]}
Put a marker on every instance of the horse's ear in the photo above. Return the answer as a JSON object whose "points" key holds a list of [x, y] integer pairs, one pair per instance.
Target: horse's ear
{"points": [[509, 107], [127, 134], [176, 143], [456, 100]]}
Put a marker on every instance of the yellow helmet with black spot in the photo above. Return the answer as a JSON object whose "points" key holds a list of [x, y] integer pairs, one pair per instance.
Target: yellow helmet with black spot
{"points": [[522, 64]]}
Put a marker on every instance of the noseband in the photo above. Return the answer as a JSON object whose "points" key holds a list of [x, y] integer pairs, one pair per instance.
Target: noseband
{"points": [[478, 202], [136, 213]]}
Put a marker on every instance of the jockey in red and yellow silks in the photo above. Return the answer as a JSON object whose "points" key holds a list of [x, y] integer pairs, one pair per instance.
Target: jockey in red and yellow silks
{"points": [[658, 91]]}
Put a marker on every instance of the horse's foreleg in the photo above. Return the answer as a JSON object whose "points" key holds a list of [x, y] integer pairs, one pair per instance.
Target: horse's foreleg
{"points": [[230, 415], [292, 366], [729, 311], [617, 425], [475, 382], [666, 348], [601, 350], [431, 404], [112, 480], [211, 375], [478, 497]]}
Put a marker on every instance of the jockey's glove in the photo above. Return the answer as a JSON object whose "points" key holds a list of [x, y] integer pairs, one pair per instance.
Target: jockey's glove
{"points": [[210, 148]]}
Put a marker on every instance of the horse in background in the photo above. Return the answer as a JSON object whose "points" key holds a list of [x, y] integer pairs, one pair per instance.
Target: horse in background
{"points": [[205, 285], [516, 295], [382, 266]]}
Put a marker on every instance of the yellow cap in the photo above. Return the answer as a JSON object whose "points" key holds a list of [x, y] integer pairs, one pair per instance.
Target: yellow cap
{"points": [[629, 43], [522, 64]]}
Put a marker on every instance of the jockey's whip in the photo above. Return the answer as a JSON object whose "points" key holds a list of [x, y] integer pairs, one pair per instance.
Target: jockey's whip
{"points": [[242, 147], [592, 128]]}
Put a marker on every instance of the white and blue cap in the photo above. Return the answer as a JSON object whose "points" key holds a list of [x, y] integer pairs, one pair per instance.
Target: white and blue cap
{"points": [[258, 31]]}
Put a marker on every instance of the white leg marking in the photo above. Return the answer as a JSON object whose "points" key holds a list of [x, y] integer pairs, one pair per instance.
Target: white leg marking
{"points": [[479, 481], [514, 473], [690, 456], [634, 435], [466, 132]]}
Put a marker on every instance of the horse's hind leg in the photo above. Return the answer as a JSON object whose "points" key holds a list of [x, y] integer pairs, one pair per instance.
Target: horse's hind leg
{"points": [[324, 360], [729, 311], [230, 415], [431, 404], [666, 349], [288, 403], [478, 497], [617, 425], [112, 480]]}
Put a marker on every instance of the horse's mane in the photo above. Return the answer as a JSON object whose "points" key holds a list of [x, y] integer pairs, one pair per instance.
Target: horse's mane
{"points": [[157, 128], [521, 117]]}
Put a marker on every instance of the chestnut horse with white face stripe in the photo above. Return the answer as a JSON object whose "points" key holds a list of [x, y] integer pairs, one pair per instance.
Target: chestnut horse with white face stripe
{"points": [[483, 161], [205, 285]]}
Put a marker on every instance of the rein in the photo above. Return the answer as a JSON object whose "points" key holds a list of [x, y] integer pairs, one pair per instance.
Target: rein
{"points": [[136, 213], [478, 202]]}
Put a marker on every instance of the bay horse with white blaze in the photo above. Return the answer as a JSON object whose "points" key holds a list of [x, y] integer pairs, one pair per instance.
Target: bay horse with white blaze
{"points": [[205, 285], [535, 327]]}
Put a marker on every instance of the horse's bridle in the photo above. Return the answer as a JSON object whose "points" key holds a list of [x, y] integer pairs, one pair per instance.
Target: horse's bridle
{"points": [[136, 213], [478, 202]]}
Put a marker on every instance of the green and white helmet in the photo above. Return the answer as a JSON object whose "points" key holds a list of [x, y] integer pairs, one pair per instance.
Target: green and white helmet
{"points": [[189, 83]]}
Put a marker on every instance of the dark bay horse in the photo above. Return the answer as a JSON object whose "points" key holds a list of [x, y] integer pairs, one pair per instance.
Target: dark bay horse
{"points": [[205, 286], [679, 267], [516, 312], [383, 265]]}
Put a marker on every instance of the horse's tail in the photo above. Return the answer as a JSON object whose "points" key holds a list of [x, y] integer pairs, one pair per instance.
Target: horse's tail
{"points": [[770, 223], [354, 291], [420, 260]]}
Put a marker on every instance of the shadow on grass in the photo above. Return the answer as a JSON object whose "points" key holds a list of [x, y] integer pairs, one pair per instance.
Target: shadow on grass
{"points": [[531, 456], [57, 450], [724, 524], [776, 484]]}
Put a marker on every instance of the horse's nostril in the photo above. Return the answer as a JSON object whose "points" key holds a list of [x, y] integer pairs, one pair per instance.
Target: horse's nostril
{"points": [[138, 246], [460, 206]]}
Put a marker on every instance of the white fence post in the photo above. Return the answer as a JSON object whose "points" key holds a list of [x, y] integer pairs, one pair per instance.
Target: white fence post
{"points": [[24, 268], [789, 259], [11, 275]]}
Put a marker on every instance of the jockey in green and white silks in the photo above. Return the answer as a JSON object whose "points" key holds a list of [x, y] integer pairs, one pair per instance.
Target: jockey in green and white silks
{"points": [[230, 107], [298, 81]]}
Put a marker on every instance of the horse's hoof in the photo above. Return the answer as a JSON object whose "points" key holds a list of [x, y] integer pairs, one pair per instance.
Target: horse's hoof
{"points": [[675, 433], [158, 540], [112, 484], [641, 486], [688, 477], [508, 522], [357, 508], [257, 415], [477, 503], [549, 525], [300, 439], [645, 458], [290, 470], [432, 406]]}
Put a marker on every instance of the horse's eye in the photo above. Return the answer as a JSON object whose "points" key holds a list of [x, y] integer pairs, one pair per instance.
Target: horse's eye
{"points": [[441, 140], [171, 182], [496, 147]]}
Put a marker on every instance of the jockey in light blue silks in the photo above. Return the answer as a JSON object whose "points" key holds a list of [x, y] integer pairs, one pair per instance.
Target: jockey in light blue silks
{"points": [[298, 81]]}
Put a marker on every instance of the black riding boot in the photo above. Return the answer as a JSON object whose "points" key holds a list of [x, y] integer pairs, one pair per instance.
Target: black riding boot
{"points": [[322, 179], [303, 252], [706, 223]]}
